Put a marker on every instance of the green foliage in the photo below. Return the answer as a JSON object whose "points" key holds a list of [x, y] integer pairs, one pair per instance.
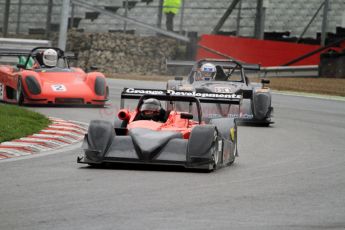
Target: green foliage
{"points": [[16, 122]]}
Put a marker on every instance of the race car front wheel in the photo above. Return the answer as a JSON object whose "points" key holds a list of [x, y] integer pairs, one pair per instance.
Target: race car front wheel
{"points": [[19, 92], [235, 153]]}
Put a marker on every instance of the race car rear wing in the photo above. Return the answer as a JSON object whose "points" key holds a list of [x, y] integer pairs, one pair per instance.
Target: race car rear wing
{"points": [[221, 98], [180, 96]]}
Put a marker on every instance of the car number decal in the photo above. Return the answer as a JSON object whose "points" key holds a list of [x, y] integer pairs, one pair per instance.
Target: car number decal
{"points": [[222, 90], [1, 91], [59, 88]]}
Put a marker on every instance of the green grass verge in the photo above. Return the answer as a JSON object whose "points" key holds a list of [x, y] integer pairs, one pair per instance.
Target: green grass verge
{"points": [[16, 122]]}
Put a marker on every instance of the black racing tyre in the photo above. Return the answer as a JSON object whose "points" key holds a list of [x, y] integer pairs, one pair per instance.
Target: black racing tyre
{"points": [[19, 92], [100, 135], [202, 145], [261, 99], [235, 150], [107, 92], [252, 105], [224, 125]]}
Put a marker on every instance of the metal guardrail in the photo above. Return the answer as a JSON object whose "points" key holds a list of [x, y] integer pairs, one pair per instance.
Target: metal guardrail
{"points": [[21, 44], [290, 71], [274, 71], [179, 63]]}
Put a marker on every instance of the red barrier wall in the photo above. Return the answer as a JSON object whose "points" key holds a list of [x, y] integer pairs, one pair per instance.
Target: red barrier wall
{"points": [[264, 52]]}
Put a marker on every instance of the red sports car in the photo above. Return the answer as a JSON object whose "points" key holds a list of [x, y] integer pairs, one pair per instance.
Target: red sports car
{"points": [[43, 76]]}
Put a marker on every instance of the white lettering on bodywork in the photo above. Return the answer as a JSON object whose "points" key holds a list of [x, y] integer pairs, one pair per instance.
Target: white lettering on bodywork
{"points": [[184, 93], [142, 91], [212, 95], [222, 90]]}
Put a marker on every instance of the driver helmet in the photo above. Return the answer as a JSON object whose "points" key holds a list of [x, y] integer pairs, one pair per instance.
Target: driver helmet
{"points": [[150, 109], [207, 72], [50, 58]]}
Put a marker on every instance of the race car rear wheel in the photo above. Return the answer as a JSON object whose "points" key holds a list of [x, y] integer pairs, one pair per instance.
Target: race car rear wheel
{"points": [[107, 92], [19, 92], [100, 136]]}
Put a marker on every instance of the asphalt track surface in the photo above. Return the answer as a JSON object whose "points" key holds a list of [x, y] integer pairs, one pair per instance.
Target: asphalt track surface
{"points": [[288, 176]]}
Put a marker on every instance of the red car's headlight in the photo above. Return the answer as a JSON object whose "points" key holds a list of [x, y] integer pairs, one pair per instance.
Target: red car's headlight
{"points": [[33, 85]]}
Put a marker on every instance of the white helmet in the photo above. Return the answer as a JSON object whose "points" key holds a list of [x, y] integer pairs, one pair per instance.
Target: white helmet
{"points": [[50, 58], [208, 71], [150, 109]]}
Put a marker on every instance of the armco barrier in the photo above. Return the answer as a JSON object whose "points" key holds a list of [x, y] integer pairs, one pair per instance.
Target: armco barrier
{"points": [[20, 44], [183, 68], [290, 71]]}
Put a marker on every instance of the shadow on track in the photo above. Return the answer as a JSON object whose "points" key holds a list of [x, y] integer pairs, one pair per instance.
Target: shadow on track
{"points": [[252, 124], [142, 167]]}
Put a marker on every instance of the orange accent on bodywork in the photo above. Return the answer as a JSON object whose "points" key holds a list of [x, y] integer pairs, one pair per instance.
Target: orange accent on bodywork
{"points": [[124, 115], [173, 123]]}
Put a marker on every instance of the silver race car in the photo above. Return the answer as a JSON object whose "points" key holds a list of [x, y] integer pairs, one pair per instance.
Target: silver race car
{"points": [[229, 76]]}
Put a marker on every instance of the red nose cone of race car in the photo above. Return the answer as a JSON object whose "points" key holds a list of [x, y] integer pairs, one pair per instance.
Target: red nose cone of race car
{"points": [[65, 77], [71, 88]]}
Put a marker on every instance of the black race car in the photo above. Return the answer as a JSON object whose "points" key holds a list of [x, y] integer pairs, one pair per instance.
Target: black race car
{"points": [[230, 77], [181, 138]]}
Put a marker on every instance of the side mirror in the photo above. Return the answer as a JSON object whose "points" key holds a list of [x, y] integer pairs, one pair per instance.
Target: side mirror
{"points": [[124, 115], [265, 81], [21, 66], [186, 116]]}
